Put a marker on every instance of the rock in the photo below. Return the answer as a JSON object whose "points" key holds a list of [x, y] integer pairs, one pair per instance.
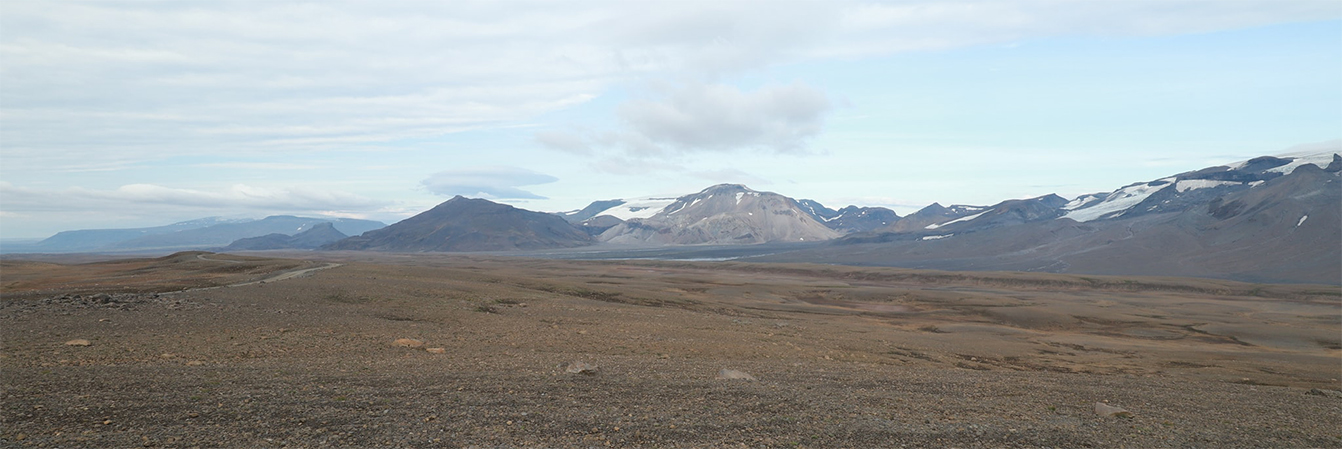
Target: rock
{"points": [[1107, 410], [408, 343], [195, 363], [1325, 393], [577, 367], [79, 342], [731, 374], [436, 350]]}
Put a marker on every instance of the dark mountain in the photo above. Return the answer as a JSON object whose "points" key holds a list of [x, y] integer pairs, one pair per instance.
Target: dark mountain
{"points": [[224, 234], [849, 219], [723, 214], [861, 219], [465, 224], [817, 211], [319, 235], [1260, 231], [596, 225], [933, 214]]}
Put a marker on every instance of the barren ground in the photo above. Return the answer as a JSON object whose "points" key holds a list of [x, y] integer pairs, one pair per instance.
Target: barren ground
{"points": [[843, 357]]}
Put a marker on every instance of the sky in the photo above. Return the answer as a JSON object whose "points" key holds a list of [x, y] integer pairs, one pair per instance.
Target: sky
{"points": [[129, 114]]}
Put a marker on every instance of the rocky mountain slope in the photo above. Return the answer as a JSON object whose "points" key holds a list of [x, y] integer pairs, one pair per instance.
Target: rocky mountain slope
{"points": [[466, 224], [723, 214]]}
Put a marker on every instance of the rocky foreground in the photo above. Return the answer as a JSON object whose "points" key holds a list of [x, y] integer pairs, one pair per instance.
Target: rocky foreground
{"points": [[458, 352]]}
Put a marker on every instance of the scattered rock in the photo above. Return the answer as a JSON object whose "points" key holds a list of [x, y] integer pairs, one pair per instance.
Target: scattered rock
{"points": [[436, 350], [1107, 410], [577, 367], [195, 363], [408, 343], [731, 374], [79, 342], [1325, 393]]}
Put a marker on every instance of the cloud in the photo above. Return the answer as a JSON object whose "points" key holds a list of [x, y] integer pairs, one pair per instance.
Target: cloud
{"points": [[135, 81], [487, 182], [149, 198], [720, 117], [708, 117]]}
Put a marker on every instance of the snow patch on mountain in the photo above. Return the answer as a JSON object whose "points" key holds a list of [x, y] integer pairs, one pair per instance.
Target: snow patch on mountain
{"points": [[1119, 201], [639, 207], [971, 217], [1193, 184]]}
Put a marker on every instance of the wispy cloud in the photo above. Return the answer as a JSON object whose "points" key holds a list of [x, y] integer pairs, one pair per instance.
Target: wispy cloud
{"points": [[237, 198], [489, 182]]}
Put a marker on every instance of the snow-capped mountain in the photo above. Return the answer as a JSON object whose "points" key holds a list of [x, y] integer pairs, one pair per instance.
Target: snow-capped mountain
{"points": [[1271, 219], [722, 214], [1184, 190]]}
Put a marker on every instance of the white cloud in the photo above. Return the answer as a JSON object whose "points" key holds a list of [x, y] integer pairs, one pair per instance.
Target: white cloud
{"points": [[150, 198], [708, 117], [487, 182], [717, 117], [134, 81]]}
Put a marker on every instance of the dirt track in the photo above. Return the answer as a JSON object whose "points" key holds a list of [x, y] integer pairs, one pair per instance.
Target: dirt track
{"points": [[844, 357]]}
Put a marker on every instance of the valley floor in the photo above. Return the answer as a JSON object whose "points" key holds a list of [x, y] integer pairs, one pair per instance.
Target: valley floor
{"points": [[843, 357]]}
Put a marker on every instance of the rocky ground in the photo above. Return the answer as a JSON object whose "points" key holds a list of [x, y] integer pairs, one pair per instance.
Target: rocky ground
{"points": [[349, 356]]}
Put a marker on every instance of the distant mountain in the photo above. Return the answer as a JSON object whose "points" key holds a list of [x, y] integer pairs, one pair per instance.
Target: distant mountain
{"points": [[723, 214], [195, 234], [465, 224], [318, 235], [861, 219], [933, 214], [849, 219], [93, 239], [226, 233], [622, 209], [1249, 221], [592, 210]]}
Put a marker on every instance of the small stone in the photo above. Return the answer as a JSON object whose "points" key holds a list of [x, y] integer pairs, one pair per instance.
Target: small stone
{"points": [[1325, 393], [78, 342], [195, 363], [436, 350], [577, 367], [408, 343], [1107, 410], [731, 374]]}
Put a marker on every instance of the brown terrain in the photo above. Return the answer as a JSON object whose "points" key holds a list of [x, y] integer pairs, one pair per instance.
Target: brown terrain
{"points": [[217, 350]]}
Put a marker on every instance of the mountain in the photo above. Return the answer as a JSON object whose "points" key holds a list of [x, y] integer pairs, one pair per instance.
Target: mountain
{"points": [[226, 233], [722, 214], [204, 233], [622, 209], [1269, 219], [861, 219], [318, 235], [849, 219], [94, 239], [592, 210], [465, 224], [933, 214]]}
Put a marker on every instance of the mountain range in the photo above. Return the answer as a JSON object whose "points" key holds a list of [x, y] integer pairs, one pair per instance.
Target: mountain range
{"points": [[1264, 219], [203, 233]]}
